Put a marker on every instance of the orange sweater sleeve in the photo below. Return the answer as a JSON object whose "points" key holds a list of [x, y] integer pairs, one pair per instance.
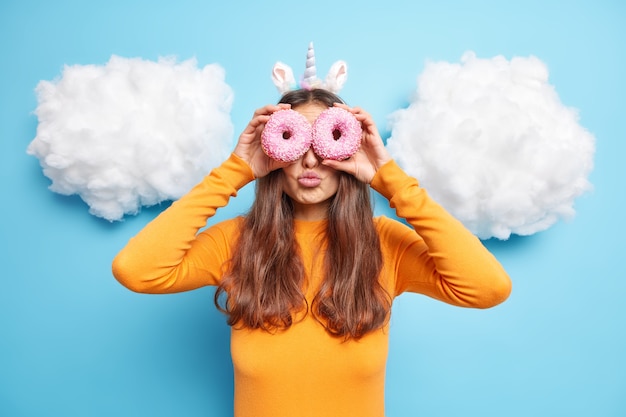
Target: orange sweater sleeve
{"points": [[168, 255], [438, 256]]}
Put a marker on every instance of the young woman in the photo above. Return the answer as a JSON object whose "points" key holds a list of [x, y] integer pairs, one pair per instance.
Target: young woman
{"points": [[308, 276]]}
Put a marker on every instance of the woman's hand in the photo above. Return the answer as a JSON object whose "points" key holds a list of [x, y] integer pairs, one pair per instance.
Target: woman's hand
{"points": [[371, 155], [249, 145]]}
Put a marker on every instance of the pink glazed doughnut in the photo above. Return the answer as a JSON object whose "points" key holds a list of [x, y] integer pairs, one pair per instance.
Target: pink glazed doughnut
{"points": [[286, 136], [336, 134]]}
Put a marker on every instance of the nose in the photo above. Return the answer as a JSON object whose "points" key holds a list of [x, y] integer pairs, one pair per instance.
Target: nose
{"points": [[310, 159]]}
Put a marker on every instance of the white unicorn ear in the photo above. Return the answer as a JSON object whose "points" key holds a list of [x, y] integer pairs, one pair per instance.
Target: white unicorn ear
{"points": [[282, 76], [337, 76]]}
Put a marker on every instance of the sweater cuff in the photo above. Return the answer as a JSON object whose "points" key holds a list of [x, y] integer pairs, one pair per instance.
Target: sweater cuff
{"points": [[235, 172], [390, 179]]}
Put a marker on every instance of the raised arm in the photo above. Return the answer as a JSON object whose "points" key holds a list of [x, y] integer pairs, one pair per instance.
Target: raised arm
{"points": [[168, 255], [438, 257]]}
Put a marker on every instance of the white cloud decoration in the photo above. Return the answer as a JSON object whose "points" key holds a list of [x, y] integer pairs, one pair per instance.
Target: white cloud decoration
{"points": [[133, 132], [491, 142]]}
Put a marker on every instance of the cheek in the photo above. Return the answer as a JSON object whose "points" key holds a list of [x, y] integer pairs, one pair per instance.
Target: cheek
{"points": [[333, 182], [289, 182], [288, 175]]}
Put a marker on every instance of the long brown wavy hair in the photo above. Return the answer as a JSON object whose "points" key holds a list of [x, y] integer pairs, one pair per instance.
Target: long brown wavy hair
{"points": [[263, 288]]}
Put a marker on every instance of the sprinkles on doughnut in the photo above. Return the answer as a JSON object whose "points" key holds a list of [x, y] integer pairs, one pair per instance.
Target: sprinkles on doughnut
{"points": [[286, 136], [336, 134]]}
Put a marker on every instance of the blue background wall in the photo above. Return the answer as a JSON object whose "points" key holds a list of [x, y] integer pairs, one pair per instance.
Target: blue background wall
{"points": [[73, 342]]}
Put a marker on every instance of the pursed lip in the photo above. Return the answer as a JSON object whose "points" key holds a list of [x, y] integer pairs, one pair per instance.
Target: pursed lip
{"points": [[309, 179]]}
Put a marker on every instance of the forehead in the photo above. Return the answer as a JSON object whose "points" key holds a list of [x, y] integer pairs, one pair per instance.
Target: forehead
{"points": [[310, 110]]}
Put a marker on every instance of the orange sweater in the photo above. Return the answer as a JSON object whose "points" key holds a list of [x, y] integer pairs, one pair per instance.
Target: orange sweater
{"points": [[303, 371]]}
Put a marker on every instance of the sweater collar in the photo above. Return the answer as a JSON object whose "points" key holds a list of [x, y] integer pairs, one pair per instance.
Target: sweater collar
{"points": [[307, 227]]}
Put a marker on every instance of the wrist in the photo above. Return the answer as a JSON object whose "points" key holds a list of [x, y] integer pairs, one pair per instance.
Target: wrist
{"points": [[381, 162], [389, 179]]}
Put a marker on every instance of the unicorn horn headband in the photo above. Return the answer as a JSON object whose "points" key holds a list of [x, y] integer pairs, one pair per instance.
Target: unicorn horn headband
{"points": [[282, 75]]}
